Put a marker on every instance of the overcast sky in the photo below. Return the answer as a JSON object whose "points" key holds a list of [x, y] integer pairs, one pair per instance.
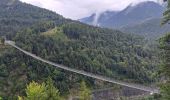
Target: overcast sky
{"points": [[76, 9]]}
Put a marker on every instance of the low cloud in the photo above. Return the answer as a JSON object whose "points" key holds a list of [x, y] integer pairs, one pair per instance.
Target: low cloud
{"points": [[76, 9]]}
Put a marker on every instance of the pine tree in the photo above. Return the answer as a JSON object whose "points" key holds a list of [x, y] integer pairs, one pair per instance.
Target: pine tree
{"points": [[2, 40], [165, 68], [165, 45], [36, 91], [52, 92], [166, 13], [85, 93]]}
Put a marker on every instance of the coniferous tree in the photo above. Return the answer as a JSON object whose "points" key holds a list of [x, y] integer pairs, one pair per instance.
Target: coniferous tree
{"points": [[165, 87], [51, 91], [2, 40], [165, 45], [36, 91], [166, 13], [85, 92]]}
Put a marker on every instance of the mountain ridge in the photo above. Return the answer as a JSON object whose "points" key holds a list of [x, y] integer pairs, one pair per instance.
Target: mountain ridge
{"points": [[129, 15], [134, 19]]}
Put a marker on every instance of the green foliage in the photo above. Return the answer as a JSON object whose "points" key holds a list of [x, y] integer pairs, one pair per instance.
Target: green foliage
{"points": [[167, 13], [57, 33], [99, 51], [20, 98], [48, 35], [104, 57], [85, 92], [165, 90], [36, 91], [51, 91], [165, 70], [2, 40], [17, 16], [150, 29], [165, 45]]}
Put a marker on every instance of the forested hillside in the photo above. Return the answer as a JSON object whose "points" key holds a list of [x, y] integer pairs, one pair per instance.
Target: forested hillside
{"points": [[151, 28], [15, 15], [97, 50]]}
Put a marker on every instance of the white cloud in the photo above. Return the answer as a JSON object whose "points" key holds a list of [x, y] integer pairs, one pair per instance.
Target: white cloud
{"points": [[76, 9]]}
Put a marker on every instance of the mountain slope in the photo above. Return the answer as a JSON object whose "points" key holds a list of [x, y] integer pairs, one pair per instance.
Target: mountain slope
{"points": [[131, 15], [15, 15], [97, 50], [149, 28], [143, 19]]}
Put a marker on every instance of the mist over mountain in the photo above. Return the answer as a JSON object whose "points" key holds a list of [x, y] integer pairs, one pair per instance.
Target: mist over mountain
{"points": [[133, 17], [130, 15]]}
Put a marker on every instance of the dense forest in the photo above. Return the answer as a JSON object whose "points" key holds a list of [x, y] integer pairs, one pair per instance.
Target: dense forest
{"points": [[101, 51], [15, 15], [165, 65], [113, 53]]}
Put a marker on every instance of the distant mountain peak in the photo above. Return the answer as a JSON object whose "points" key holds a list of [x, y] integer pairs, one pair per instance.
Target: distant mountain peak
{"points": [[133, 13], [146, 3]]}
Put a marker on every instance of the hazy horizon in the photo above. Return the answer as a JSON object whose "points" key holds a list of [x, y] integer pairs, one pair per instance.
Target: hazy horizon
{"points": [[75, 9]]}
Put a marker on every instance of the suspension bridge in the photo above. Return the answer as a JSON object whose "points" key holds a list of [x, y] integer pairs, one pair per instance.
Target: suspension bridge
{"points": [[151, 90]]}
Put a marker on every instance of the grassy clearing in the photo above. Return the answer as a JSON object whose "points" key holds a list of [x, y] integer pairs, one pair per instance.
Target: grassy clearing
{"points": [[56, 33]]}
